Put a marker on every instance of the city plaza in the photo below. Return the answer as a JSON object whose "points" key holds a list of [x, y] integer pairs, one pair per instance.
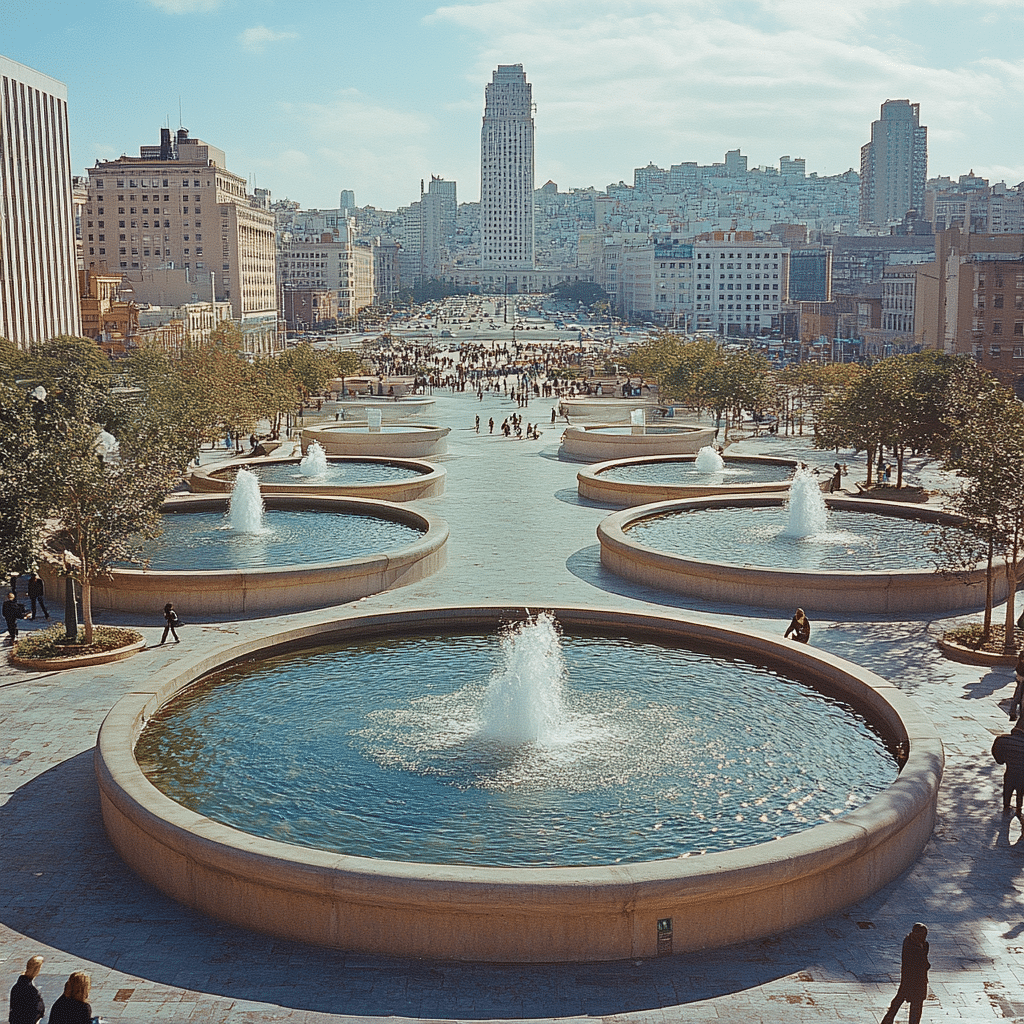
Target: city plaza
{"points": [[521, 536]]}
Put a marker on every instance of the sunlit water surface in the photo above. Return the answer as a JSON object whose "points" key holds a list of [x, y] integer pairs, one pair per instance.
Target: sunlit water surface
{"points": [[381, 749]]}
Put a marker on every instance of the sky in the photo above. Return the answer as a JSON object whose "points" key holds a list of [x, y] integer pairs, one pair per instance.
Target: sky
{"points": [[308, 98]]}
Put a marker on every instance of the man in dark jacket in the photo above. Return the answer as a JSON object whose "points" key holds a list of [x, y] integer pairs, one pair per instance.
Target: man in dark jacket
{"points": [[1008, 750], [913, 976], [26, 1002]]}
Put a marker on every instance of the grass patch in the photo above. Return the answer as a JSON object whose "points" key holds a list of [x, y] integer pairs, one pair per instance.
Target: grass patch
{"points": [[970, 636], [52, 642]]}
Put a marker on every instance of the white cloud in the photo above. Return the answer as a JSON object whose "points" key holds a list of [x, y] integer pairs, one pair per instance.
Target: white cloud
{"points": [[259, 37], [635, 80], [356, 143], [186, 6]]}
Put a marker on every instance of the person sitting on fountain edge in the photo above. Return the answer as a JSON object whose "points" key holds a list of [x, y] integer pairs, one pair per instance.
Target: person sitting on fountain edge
{"points": [[800, 627]]}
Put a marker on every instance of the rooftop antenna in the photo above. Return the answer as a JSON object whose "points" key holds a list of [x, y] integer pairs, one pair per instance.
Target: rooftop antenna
{"points": [[179, 111]]}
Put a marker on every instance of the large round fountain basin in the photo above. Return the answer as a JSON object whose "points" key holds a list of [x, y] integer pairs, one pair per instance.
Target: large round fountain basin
{"points": [[411, 546], [626, 482], [523, 914], [602, 442], [379, 478], [387, 748], [856, 574], [397, 441]]}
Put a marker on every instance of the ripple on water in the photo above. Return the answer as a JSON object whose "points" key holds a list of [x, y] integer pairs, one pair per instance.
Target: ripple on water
{"points": [[377, 749]]}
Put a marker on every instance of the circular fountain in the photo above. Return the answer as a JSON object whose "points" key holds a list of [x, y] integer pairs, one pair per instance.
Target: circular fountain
{"points": [[367, 477], [830, 554], [626, 482], [246, 555], [603, 442], [401, 441], [603, 855]]}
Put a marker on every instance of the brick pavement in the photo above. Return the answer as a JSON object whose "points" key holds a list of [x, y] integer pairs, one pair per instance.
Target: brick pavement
{"points": [[519, 534]]}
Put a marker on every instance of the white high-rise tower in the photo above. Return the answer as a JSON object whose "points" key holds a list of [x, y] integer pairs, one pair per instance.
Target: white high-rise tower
{"points": [[506, 171], [38, 267]]}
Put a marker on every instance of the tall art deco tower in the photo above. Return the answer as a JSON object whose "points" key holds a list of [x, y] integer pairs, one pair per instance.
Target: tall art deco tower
{"points": [[894, 165], [506, 171]]}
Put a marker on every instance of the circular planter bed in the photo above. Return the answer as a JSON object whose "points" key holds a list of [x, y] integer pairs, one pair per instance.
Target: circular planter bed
{"points": [[963, 643], [43, 651]]}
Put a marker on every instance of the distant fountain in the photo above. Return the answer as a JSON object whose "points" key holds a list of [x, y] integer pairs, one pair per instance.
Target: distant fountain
{"points": [[245, 510], [708, 461], [373, 419], [314, 463], [523, 702], [808, 515], [637, 421]]}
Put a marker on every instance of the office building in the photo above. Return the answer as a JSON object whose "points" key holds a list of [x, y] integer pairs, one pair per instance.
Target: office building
{"points": [[506, 171], [893, 165], [177, 208], [39, 297]]}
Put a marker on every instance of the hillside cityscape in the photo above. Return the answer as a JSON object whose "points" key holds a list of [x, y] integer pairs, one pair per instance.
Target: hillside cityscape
{"points": [[878, 260]]}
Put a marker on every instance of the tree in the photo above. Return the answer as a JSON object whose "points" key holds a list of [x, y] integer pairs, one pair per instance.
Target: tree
{"points": [[105, 509], [27, 480], [986, 445]]}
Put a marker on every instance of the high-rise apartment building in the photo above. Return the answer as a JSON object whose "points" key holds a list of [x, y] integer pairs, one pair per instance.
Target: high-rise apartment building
{"points": [[893, 165], [177, 207], [38, 271], [506, 171]]}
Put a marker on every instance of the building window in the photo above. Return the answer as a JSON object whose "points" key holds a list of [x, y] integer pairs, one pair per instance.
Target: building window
{"points": [[997, 327]]}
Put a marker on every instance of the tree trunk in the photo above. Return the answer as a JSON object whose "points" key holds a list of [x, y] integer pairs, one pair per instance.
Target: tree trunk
{"points": [[1009, 647], [990, 592], [87, 609], [870, 452]]}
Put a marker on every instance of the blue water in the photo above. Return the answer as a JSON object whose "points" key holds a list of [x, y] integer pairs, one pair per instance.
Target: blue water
{"points": [[853, 541], [203, 540], [376, 749]]}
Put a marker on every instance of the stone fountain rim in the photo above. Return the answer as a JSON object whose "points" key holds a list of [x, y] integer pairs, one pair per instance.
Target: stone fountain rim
{"points": [[435, 531], [510, 914], [213, 475], [905, 723], [612, 530]]}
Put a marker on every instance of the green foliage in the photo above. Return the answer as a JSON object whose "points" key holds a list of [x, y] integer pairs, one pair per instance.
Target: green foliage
{"points": [[52, 643]]}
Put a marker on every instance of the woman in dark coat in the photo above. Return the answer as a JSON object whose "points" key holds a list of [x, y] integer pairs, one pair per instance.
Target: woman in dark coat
{"points": [[73, 1007]]}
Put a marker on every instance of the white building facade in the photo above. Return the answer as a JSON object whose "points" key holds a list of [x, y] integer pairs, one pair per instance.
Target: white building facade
{"points": [[507, 171], [39, 295], [738, 286]]}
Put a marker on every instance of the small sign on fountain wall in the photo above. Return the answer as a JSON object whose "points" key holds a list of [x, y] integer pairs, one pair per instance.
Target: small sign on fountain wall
{"points": [[664, 936]]}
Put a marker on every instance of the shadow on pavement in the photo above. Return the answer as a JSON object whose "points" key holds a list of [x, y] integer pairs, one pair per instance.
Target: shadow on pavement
{"points": [[66, 887]]}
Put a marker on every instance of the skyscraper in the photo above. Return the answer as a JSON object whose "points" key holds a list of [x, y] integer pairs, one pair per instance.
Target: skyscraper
{"points": [[38, 273], [893, 165], [506, 171]]}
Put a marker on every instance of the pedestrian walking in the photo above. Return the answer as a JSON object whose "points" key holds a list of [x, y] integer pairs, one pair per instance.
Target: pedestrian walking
{"points": [[172, 622], [1008, 750], [11, 612], [478, 424], [490, 425], [913, 976], [800, 627], [27, 1005], [35, 594]]}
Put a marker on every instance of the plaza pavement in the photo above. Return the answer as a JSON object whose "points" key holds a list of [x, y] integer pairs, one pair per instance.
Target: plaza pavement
{"points": [[518, 535]]}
